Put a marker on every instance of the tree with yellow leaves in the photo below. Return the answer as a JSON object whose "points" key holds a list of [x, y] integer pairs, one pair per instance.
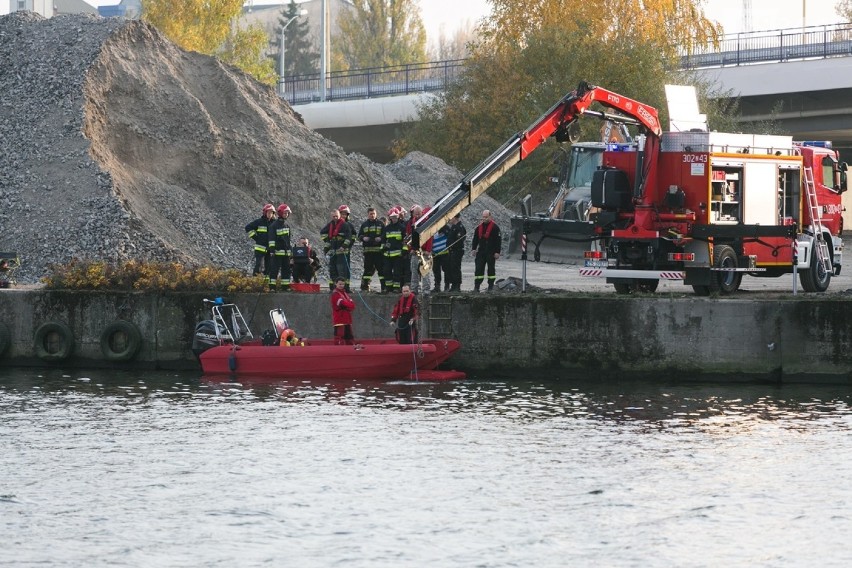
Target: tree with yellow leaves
{"points": [[208, 26], [531, 53]]}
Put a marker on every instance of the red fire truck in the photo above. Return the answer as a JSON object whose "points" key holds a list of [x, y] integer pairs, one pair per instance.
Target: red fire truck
{"points": [[698, 206]]}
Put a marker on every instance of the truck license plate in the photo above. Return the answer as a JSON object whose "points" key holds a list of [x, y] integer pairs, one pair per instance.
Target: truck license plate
{"points": [[592, 263]]}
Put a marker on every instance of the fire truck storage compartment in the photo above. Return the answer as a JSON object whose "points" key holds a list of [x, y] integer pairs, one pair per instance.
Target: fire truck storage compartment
{"points": [[610, 189], [761, 189], [726, 190], [789, 188]]}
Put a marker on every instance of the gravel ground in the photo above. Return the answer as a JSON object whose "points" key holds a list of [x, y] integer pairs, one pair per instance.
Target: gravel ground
{"points": [[115, 144]]}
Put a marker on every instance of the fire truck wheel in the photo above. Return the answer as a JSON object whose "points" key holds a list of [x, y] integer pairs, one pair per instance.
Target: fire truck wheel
{"points": [[817, 278], [642, 286], [701, 290], [725, 282], [622, 287], [646, 286]]}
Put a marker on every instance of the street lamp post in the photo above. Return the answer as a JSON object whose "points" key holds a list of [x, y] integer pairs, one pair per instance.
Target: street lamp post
{"points": [[282, 50]]}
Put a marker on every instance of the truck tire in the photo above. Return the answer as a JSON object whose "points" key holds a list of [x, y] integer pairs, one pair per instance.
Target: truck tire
{"points": [[725, 282], [701, 290], [816, 278], [644, 286]]}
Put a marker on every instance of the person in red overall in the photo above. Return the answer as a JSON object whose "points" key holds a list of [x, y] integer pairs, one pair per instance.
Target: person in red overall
{"points": [[342, 307], [405, 316]]}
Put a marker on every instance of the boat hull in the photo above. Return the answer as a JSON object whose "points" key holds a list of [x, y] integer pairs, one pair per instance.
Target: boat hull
{"points": [[378, 359]]}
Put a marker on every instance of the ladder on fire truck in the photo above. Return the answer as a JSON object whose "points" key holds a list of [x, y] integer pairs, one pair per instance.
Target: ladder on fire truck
{"points": [[815, 212]]}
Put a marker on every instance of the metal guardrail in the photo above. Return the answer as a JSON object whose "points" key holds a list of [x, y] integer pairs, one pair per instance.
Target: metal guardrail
{"points": [[814, 42], [373, 82]]}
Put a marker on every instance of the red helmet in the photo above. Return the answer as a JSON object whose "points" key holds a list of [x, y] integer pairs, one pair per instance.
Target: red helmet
{"points": [[343, 209], [393, 212], [283, 208], [268, 207]]}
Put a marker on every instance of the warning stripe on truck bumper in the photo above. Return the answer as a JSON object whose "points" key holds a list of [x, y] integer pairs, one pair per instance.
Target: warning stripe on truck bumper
{"points": [[632, 274]]}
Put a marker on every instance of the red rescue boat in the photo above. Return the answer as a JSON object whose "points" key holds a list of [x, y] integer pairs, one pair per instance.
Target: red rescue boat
{"points": [[224, 345]]}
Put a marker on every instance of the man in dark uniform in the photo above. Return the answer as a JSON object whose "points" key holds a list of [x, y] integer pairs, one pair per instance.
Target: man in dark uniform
{"points": [[258, 231], [392, 235], [280, 250], [486, 248], [337, 237], [455, 241], [305, 262], [370, 236]]}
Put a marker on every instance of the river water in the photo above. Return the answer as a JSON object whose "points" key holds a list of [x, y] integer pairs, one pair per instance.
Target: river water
{"points": [[164, 469]]}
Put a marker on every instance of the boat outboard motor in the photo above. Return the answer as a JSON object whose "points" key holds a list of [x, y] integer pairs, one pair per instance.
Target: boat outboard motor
{"points": [[205, 336]]}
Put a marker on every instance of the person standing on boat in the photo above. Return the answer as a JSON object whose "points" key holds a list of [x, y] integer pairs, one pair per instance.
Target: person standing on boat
{"points": [[342, 307], [258, 231], [370, 236], [486, 249], [405, 316]]}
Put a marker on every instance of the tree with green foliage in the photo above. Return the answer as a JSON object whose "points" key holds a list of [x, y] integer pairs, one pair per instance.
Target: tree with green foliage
{"points": [[379, 33], [208, 26], [530, 53], [301, 55]]}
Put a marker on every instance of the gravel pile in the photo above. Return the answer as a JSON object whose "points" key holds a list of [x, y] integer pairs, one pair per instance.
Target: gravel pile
{"points": [[115, 144]]}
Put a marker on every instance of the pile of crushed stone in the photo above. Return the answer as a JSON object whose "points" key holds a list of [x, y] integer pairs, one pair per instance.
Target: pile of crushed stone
{"points": [[115, 144]]}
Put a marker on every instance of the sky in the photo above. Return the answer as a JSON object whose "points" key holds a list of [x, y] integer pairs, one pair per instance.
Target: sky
{"points": [[765, 14]]}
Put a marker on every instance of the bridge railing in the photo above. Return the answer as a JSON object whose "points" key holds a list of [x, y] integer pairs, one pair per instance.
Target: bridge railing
{"points": [[372, 82], [733, 49], [773, 46]]}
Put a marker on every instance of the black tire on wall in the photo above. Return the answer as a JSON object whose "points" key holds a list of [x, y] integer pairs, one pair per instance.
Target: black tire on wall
{"points": [[5, 338], [53, 341], [120, 341]]}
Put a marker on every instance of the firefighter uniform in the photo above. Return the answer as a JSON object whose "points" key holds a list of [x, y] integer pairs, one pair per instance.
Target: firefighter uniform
{"points": [[338, 238], [455, 241], [392, 234], [487, 246], [280, 250], [370, 236], [258, 231]]}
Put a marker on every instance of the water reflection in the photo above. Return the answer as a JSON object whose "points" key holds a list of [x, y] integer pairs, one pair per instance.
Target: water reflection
{"points": [[201, 472], [647, 402]]}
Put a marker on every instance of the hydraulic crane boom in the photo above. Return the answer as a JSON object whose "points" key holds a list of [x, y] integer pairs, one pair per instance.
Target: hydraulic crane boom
{"points": [[555, 122]]}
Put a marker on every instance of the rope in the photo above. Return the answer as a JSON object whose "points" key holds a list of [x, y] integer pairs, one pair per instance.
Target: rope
{"points": [[361, 297]]}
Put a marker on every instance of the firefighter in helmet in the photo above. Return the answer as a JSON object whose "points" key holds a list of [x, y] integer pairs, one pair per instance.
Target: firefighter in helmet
{"points": [[258, 231], [280, 250]]}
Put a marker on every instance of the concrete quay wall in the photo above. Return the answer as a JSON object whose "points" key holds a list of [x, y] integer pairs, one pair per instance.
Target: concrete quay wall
{"points": [[606, 336]]}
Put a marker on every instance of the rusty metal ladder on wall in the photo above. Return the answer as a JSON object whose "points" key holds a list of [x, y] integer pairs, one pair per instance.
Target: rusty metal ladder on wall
{"points": [[815, 212], [440, 316]]}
